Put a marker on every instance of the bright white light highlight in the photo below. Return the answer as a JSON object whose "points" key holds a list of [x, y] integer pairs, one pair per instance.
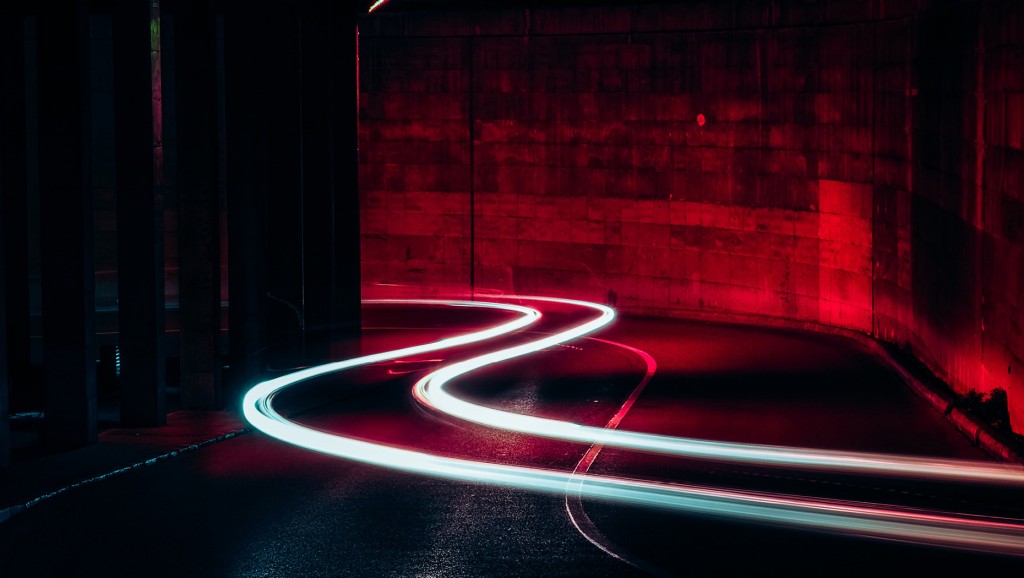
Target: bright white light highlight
{"points": [[880, 522], [262, 392], [431, 392]]}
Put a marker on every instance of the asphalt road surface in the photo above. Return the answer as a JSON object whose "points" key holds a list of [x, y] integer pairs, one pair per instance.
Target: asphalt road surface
{"points": [[255, 506]]}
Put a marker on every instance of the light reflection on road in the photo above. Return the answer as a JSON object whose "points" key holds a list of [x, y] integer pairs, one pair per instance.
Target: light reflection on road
{"points": [[860, 519]]}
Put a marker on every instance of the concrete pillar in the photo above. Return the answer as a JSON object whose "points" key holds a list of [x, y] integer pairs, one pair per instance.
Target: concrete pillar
{"points": [[283, 68], [198, 205], [346, 307], [293, 220], [245, 95], [317, 192], [5, 429], [140, 207], [68, 272], [14, 197], [14, 333], [330, 191]]}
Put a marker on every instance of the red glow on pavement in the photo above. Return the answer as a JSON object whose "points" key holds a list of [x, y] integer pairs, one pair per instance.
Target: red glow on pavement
{"points": [[839, 516], [430, 391]]}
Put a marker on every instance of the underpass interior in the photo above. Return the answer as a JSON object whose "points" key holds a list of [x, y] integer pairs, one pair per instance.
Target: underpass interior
{"points": [[427, 287]]}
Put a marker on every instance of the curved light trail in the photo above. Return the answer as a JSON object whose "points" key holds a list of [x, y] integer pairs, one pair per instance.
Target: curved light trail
{"points": [[431, 392], [261, 394], [866, 520]]}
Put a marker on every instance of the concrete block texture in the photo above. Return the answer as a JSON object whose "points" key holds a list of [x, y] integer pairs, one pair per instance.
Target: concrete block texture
{"points": [[853, 164]]}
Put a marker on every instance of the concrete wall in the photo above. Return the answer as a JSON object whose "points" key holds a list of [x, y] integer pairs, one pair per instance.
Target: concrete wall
{"points": [[949, 200], [846, 163]]}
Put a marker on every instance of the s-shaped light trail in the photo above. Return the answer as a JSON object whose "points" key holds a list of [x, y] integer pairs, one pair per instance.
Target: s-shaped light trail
{"points": [[431, 392], [941, 529]]}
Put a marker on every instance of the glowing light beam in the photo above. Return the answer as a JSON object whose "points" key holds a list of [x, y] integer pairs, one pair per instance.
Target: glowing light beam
{"points": [[430, 391], [866, 520]]}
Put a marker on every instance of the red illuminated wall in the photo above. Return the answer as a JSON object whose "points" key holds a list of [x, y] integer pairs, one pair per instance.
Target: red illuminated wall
{"points": [[949, 194], [858, 164]]}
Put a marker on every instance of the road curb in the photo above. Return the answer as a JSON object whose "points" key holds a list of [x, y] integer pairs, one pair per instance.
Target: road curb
{"points": [[981, 434], [6, 513]]}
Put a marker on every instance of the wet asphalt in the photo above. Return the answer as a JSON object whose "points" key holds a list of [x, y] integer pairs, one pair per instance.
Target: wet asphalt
{"points": [[253, 506]]}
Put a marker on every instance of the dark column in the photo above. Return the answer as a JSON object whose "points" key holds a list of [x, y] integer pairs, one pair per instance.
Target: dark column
{"points": [[292, 167], [317, 193], [14, 332], [282, 68], [14, 197], [330, 191], [5, 430], [140, 235], [346, 295], [68, 275], [245, 95], [198, 205]]}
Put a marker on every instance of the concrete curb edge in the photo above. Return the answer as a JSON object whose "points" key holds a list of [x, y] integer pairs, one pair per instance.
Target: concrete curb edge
{"points": [[981, 434], [10, 511]]}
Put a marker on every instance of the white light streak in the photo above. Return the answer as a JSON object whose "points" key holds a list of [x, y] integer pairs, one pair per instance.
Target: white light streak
{"points": [[431, 392], [880, 522]]}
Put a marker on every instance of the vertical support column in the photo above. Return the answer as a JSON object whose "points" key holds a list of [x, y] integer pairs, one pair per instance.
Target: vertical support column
{"points": [[345, 285], [14, 198], [199, 206], [317, 190], [344, 71], [14, 328], [5, 429], [68, 271], [330, 172], [282, 70], [292, 179], [245, 94], [140, 235]]}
